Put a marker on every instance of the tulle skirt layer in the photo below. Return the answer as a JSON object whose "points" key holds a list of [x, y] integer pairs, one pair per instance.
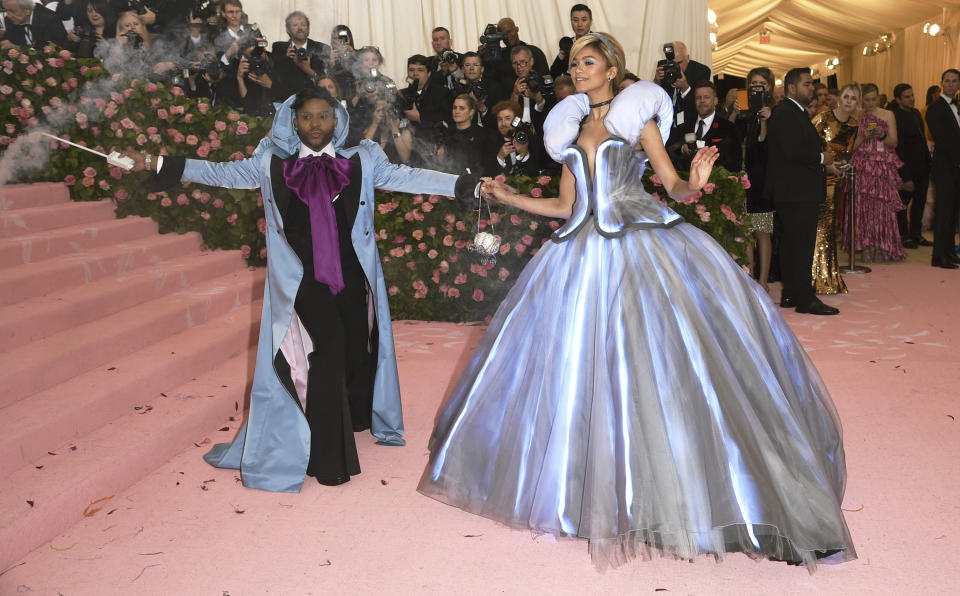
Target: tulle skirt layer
{"points": [[643, 393]]}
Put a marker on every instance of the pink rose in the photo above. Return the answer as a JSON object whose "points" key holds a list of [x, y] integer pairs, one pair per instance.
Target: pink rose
{"points": [[460, 279], [417, 234], [232, 219], [242, 128], [218, 203], [204, 215], [89, 172], [461, 226], [179, 91], [411, 265], [215, 144], [202, 107], [141, 139], [220, 125], [453, 293], [396, 252], [503, 274], [127, 123], [104, 185], [543, 180], [69, 180], [392, 290], [500, 178], [432, 254], [745, 182], [519, 249], [432, 231], [655, 180], [448, 240], [262, 225], [120, 194], [504, 248], [709, 187], [162, 114], [536, 193], [444, 267], [87, 182], [263, 252], [183, 200], [427, 207], [692, 198], [728, 213], [422, 246], [189, 117], [203, 151], [51, 82], [515, 219], [192, 140], [527, 239], [478, 295], [233, 116], [31, 69], [165, 202], [245, 251]]}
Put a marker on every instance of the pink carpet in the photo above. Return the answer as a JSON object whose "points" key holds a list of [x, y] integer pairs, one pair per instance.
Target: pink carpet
{"points": [[890, 360]]}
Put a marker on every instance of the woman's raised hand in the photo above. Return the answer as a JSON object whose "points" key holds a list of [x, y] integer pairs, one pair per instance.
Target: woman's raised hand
{"points": [[701, 166]]}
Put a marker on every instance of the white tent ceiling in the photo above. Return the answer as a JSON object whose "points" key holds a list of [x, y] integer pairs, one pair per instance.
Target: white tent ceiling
{"points": [[806, 32]]}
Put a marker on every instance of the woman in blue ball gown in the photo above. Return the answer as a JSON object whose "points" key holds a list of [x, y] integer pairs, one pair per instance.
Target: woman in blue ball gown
{"points": [[636, 388]]}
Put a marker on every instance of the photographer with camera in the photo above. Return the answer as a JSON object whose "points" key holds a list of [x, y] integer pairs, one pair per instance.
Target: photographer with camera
{"points": [[134, 52], [253, 76], [300, 61], [198, 67], [498, 60], [94, 21], [708, 129], [675, 74], [533, 91], [424, 103], [30, 24], [228, 43], [516, 150], [343, 58], [485, 92], [581, 20], [446, 64]]}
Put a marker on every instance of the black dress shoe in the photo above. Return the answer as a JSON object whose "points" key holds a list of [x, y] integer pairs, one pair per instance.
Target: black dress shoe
{"points": [[944, 263], [910, 243], [335, 480], [787, 303], [816, 307], [955, 259], [921, 241]]}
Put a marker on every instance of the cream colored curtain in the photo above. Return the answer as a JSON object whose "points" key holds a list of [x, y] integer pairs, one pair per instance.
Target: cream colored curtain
{"points": [[401, 28]]}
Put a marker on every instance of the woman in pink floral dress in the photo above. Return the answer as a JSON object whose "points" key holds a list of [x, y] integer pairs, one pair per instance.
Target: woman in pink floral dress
{"points": [[877, 202]]}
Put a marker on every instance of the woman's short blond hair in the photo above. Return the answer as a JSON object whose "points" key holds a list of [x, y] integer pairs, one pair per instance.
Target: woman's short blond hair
{"points": [[615, 57]]}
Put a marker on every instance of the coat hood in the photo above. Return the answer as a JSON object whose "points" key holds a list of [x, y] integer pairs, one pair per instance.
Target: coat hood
{"points": [[285, 137]]}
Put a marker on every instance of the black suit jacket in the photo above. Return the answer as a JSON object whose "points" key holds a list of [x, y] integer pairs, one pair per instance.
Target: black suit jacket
{"points": [[296, 220], [288, 79], [45, 27], [722, 134], [946, 134], [912, 143], [794, 173]]}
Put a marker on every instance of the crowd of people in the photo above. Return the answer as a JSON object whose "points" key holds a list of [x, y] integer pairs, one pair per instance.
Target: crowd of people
{"points": [[482, 111]]}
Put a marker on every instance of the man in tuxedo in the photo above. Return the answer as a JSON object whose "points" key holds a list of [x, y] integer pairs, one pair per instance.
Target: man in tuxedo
{"points": [[796, 183], [915, 172], [684, 108], [299, 62], [31, 24], [503, 153], [707, 129], [943, 121], [486, 92], [323, 275], [428, 102], [534, 105]]}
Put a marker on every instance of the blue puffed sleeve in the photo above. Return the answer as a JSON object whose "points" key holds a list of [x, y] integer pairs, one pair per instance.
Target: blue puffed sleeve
{"points": [[634, 106], [562, 126]]}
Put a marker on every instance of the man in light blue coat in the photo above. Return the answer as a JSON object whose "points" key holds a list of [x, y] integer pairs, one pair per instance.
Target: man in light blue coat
{"points": [[325, 365]]}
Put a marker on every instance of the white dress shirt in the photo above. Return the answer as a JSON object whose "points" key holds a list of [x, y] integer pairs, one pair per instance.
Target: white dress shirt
{"points": [[328, 150]]}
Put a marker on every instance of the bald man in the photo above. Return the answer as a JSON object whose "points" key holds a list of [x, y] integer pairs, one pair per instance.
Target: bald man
{"points": [[502, 69], [680, 91]]}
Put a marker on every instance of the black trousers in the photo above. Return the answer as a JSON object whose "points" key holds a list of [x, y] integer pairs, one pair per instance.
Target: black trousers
{"points": [[798, 238], [914, 201], [342, 365], [946, 178]]}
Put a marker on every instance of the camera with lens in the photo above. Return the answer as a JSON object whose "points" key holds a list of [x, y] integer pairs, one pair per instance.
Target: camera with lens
{"points": [[259, 65], [565, 44], [538, 83], [449, 56], [522, 131], [406, 99], [671, 70], [134, 39], [757, 99], [341, 35], [302, 53], [88, 39], [209, 65], [137, 6], [491, 39], [465, 87]]}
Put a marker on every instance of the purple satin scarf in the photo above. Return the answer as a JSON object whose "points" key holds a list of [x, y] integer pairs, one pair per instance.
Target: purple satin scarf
{"points": [[315, 181]]}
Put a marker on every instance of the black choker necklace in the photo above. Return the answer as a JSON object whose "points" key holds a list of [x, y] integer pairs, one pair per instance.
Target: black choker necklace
{"points": [[601, 104]]}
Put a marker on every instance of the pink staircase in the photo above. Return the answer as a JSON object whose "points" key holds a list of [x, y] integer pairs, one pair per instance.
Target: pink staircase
{"points": [[119, 347]]}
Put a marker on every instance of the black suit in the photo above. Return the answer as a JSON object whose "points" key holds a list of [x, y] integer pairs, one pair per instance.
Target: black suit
{"points": [[342, 369], [288, 79], [913, 152], [721, 134], [945, 168], [685, 104], [796, 183], [502, 69], [45, 27]]}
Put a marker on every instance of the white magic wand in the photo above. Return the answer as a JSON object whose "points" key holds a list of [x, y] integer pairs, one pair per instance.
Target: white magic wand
{"points": [[114, 159]]}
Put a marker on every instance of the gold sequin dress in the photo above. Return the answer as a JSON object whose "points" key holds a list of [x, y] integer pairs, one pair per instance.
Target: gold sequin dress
{"points": [[839, 137]]}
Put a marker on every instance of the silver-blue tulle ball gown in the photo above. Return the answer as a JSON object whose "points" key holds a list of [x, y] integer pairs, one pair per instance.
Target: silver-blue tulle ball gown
{"points": [[636, 388]]}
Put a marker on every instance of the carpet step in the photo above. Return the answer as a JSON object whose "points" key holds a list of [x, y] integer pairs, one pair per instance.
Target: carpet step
{"points": [[45, 498], [33, 248], [66, 412], [37, 318], [42, 364], [30, 220], [22, 196], [37, 279]]}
